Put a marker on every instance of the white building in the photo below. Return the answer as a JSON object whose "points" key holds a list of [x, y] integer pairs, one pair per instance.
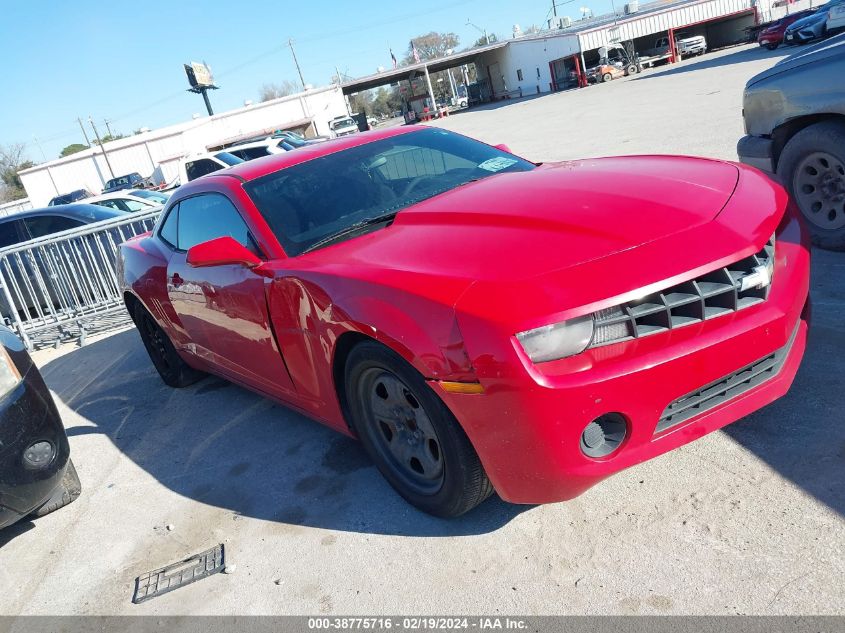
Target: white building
{"points": [[158, 151]]}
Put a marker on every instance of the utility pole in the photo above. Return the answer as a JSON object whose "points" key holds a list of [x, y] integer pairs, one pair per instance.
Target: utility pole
{"points": [[55, 188], [554, 9], [41, 149], [480, 30], [106, 121], [296, 61], [82, 127], [100, 143]]}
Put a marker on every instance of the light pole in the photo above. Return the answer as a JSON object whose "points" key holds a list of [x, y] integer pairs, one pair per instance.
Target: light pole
{"points": [[480, 30]]}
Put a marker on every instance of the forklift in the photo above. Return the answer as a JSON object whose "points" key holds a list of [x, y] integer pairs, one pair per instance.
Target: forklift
{"points": [[622, 56]]}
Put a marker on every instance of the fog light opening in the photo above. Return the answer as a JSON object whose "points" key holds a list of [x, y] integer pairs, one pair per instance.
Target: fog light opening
{"points": [[39, 455], [604, 435]]}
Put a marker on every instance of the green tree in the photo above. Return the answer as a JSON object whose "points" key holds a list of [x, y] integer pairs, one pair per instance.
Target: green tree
{"points": [[72, 149]]}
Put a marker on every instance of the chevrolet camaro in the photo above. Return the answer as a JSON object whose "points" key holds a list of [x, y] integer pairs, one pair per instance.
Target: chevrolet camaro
{"points": [[478, 321]]}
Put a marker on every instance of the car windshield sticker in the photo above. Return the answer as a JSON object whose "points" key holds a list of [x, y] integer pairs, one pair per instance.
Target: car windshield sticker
{"points": [[497, 164]]}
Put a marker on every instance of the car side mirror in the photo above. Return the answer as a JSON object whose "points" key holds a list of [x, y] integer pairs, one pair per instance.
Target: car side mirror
{"points": [[220, 252], [504, 148]]}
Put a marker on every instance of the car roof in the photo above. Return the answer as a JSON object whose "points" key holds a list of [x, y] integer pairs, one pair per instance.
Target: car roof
{"points": [[263, 143], [85, 212], [123, 193], [250, 170]]}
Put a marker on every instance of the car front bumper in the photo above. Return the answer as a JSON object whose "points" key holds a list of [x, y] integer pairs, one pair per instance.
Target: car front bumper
{"points": [[28, 415], [527, 425], [757, 152]]}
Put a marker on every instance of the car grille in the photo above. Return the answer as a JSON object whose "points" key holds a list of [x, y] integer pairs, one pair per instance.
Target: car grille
{"points": [[717, 293], [724, 389]]}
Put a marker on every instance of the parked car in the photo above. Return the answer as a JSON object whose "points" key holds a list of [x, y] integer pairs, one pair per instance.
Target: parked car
{"points": [[836, 18], [122, 201], [813, 27], [197, 165], [795, 127], [343, 126], [124, 182], [37, 475], [34, 223], [477, 320], [259, 149], [68, 198], [772, 36], [28, 297], [297, 139], [686, 45]]}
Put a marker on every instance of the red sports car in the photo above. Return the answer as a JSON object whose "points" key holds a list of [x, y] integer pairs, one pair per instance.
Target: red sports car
{"points": [[478, 321]]}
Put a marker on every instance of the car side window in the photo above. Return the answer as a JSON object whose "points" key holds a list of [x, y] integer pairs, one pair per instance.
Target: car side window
{"points": [[201, 167], [41, 225], [11, 232], [209, 216], [169, 228]]}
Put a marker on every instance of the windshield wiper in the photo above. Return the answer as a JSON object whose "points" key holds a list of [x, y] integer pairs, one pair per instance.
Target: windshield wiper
{"points": [[352, 228]]}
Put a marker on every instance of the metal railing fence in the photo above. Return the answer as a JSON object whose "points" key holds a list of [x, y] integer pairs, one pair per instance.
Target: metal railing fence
{"points": [[67, 285]]}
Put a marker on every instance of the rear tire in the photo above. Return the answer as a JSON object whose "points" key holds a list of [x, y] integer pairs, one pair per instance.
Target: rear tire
{"points": [[413, 438], [174, 371], [812, 167], [772, 46], [606, 77]]}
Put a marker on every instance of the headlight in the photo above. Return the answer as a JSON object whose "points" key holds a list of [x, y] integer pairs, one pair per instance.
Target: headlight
{"points": [[9, 374], [558, 340]]}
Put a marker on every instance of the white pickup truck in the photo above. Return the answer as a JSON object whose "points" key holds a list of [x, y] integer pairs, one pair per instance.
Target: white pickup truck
{"points": [[687, 46]]}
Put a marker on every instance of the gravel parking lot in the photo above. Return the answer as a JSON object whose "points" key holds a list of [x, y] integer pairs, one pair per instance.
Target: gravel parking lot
{"points": [[749, 520]]}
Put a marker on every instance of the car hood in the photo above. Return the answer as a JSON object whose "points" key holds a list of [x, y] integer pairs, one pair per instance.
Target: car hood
{"points": [[832, 48], [514, 226]]}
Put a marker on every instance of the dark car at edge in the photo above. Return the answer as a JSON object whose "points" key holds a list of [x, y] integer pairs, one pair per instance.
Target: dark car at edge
{"points": [[37, 475], [794, 118]]}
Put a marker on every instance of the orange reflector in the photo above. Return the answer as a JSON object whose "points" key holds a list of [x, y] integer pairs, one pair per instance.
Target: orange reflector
{"points": [[461, 387]]}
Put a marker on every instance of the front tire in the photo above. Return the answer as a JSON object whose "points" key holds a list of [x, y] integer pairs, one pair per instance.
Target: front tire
{"points": [[812, 167], [413, 438], [772, 46], [174, 371]]}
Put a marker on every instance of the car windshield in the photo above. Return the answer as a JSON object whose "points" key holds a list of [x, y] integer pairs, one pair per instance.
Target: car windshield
{"points": [[306, 204], [343, 123]]}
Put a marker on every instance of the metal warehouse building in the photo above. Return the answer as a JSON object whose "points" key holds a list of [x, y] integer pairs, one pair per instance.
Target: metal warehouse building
{"points": [[553, 59], [556, 59], [158, 151]]}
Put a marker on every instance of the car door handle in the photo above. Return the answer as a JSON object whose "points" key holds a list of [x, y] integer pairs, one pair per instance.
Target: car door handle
{"points": [[176, 280]]}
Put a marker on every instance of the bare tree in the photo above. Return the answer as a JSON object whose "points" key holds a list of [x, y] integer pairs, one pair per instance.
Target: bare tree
{"points": [[431, 46], [11, 162], [269, 92]]}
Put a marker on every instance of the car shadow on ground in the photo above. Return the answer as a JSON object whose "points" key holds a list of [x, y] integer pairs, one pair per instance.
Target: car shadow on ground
{"points": [[224, 446], [740, 56], [802, 435]]}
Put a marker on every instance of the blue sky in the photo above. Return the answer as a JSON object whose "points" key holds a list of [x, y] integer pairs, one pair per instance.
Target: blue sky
{"points": [[123, 61]]}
